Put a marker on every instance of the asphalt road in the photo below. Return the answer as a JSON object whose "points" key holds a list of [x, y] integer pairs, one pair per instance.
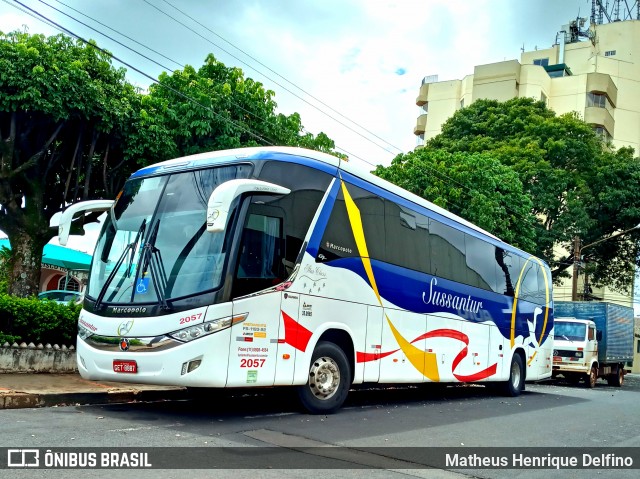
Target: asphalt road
{"points": [[552, 414]]}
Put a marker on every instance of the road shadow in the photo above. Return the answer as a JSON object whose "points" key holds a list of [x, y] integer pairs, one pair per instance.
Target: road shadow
{"points": [[438, 403]]}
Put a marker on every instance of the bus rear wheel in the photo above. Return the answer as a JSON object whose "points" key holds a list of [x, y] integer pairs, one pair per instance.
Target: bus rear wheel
{"points": [[515, 384], [329, 380]]}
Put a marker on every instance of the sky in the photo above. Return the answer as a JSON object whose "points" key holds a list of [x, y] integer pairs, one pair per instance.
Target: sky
{"points": [[363, 59], [351, 68]]}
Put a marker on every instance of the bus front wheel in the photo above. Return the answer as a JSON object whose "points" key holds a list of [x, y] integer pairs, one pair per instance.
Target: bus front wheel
{"points": [[515, 384], [329, 380]]}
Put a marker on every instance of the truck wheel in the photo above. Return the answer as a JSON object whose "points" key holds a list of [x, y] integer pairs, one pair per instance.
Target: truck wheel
{"points": [[592, 377], [515, 384], [329, 380], [616, 379]]}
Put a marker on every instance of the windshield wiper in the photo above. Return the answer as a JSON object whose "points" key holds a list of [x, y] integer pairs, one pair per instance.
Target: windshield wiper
{"points": [[152, 259], [130, 247], [133, 245]]}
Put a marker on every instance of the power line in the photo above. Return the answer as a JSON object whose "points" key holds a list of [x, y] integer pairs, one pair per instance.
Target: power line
{"points": [[437, 173], [49, 22], [442, 176], [131, 49], [271, 79], [280, 76], [116, 31], [30, 14], [146, 75], [153, 61], [242, 127], [105, 35]]}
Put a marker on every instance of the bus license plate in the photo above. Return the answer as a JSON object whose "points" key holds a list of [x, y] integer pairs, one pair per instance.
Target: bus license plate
{"points": [[125, 366]]}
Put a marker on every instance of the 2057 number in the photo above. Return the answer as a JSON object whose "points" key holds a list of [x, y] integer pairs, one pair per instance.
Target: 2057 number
{"points": [[193, 317], [251, 363]]}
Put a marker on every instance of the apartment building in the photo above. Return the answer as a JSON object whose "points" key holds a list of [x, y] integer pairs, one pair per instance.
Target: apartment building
{"points": [[598, 77], [594, 72]]}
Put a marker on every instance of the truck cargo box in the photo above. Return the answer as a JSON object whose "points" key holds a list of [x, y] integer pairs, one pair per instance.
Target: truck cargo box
{"points": [[615, 322]]}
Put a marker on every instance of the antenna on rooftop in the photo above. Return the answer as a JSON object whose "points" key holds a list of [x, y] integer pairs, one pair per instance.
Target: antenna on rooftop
{"points": [[614, 11]]}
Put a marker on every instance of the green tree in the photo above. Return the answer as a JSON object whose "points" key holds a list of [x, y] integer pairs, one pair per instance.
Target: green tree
{"points": [[474, 186], [216, 107], [579, 185], [65, 118], [72, 129]]}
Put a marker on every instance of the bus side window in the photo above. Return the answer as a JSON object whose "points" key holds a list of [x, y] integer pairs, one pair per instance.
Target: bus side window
{"points": [[308, 186], [260, 263], [481, 263], [447, 252]]}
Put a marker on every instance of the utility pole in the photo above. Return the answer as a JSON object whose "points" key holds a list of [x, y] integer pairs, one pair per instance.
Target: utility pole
{"points": [[578, 248], [576, 267]]}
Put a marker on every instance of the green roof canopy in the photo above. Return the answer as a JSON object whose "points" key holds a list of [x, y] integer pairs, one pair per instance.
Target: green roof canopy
{"points": [[65, 258]]}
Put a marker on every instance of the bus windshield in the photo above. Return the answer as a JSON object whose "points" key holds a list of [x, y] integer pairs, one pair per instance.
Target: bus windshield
{"points": [[154, 245]]}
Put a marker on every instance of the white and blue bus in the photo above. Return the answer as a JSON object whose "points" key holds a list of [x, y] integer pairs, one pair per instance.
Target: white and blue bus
{"points": [[274, 266]]}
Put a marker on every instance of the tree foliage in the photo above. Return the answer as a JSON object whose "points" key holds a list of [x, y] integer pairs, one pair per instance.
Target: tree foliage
{"points": [[72, 128], [579, 185], [229, 111], [64, 111]]}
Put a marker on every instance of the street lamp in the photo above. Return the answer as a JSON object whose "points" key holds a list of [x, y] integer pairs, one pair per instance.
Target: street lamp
{"points": [[577, 254]]}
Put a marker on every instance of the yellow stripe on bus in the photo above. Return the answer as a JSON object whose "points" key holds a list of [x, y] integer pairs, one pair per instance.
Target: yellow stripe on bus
{"points": [[423, 361]]}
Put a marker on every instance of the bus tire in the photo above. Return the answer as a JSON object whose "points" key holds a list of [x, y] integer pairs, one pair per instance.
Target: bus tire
{"points": [[515, 384], [329, 380]]}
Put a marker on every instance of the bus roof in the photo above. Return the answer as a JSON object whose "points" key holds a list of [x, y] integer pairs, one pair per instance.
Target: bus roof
{"points": [[356, 169]]}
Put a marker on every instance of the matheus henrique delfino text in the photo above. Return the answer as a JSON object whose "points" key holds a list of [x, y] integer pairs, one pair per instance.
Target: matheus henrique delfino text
{"points": [[547, 461]]}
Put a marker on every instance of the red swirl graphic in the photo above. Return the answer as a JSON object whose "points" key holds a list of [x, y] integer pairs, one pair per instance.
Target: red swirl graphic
{"points": [[441, 333]]}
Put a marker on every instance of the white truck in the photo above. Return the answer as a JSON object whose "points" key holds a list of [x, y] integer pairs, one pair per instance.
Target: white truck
{"points": [[592, 340]]}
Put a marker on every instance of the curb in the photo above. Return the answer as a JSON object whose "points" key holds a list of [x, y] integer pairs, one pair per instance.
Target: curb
{"points": [[21, 400]]}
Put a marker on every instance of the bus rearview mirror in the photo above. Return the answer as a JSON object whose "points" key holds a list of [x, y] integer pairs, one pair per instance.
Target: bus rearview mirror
{"points": [[64, 226], [221, 198]]}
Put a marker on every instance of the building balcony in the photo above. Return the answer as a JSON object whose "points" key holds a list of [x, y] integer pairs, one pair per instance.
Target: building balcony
{"points": [[422, 96], [421, 125], [603, 84], [599, 116]]}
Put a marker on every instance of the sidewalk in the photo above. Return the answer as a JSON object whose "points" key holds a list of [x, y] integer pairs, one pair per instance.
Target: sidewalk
{"points": [[24, 390]]}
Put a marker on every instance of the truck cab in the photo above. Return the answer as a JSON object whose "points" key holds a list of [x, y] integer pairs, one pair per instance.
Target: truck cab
{"points": [[575, 350]]}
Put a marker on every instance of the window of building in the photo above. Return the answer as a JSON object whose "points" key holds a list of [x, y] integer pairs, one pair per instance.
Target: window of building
{"points": [[543, 98], [462, 103], [602, 132], [638, 346], [609, 53], [543, 62], [420, 140], [596, 99], [68, 283], [424, 108]]}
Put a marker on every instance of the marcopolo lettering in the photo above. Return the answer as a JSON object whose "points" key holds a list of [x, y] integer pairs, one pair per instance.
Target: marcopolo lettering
{"points": [[128, 309]]}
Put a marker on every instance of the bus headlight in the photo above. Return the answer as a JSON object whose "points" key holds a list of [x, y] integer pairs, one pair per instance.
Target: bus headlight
{"points": [[83, 332], [204, 329], [578, 354]]}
